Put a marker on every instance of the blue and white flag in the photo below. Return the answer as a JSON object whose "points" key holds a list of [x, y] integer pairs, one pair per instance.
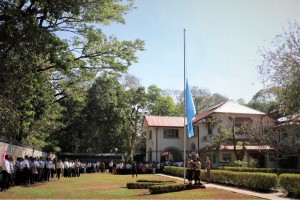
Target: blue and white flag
{"points": [[190, 110]]}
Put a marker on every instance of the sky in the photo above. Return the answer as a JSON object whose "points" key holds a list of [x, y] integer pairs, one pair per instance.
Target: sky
{"points": [[223, 39]]}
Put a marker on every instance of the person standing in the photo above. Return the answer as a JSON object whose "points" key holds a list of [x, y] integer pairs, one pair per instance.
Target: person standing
{"points": [[190, 169], [59, 165], [5, 174], [207, 168], [134, 169], [197, 167]]}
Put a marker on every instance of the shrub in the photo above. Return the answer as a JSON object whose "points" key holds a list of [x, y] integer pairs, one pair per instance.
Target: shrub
{"points": [[291, 183], [145, 184], [141, 185], [252, 180], [174, 171], [257, 181], [157, 189], [264, 170], [155, 181]]}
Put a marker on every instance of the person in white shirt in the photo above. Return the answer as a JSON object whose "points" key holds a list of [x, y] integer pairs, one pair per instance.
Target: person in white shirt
{"points": [[5, 174], [59, 165], [26, 171], [41, 169], [66, 168], [48, 167], [77, 167]]}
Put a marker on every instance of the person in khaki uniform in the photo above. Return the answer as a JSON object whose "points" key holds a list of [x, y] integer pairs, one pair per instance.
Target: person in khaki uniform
{"points": [[190, 169], [207, 168], [197, 167]]}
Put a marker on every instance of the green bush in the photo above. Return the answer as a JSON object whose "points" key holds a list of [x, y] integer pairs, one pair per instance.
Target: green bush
{"points": [[174, 171], [146, 184], [141, 185], [291, 183], [157, 189], [155, 181], [264, 170], [257, 181], [252, 180]]}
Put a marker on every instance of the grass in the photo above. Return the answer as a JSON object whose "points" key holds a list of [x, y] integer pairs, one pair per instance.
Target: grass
{"points": [[108, 186]]}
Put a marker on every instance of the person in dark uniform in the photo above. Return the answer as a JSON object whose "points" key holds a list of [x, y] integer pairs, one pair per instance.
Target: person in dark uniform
{"points": [[134, 169]]}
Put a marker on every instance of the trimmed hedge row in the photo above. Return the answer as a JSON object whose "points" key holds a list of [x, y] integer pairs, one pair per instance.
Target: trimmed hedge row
{"points": [[291, 183], [257, 181], [146, 184], [141, 185], [174, 171], [156, 186], [264, 170], [158, 189]]}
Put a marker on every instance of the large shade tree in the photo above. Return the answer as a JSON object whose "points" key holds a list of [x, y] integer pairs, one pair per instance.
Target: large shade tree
{"points": [[38, 69]]}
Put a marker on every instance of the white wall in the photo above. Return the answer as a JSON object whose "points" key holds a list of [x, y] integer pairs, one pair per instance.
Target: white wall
{"points": [[18, 151]]}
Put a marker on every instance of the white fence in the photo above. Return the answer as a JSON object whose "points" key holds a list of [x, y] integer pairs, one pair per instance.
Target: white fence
{"points": [[21, 151]]}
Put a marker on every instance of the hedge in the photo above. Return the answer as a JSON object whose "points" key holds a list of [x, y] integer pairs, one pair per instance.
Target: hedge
{"points": [[157, 189], [141, 185], [156, 186], [264, 170], [291, 183], [257, 181]]}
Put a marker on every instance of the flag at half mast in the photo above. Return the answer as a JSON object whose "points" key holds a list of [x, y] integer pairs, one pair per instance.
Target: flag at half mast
{"points": [[190, 110]]}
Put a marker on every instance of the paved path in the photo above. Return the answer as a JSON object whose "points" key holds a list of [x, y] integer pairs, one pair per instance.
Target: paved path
{"points": [[273, 196]]}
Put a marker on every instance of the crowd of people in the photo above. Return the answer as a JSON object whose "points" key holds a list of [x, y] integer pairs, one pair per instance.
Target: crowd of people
{"points": [[29, 170]]}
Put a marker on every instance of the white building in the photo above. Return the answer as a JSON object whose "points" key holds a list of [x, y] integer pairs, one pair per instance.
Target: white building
{"points": [[165, 135]]}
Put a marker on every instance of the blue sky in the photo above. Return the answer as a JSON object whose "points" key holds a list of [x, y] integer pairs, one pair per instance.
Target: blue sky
{"points": [[222, 41]]}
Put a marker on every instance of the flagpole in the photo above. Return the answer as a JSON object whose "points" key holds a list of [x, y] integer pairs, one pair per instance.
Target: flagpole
{"points": [[184, 128]]}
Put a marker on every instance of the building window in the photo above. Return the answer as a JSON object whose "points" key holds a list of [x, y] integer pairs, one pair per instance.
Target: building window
{"points": [[171, 133], [150, 134]]}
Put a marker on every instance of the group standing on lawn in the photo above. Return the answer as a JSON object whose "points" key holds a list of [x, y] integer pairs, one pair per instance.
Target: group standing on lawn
{"points": [[29, 170], [194, 167]]}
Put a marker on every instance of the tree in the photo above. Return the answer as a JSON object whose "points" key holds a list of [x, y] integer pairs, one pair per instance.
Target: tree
{"points": [[160, 104], [278, 141], [36, 60], [219, 139], [136, 103], [280, 69], [266, 101]]}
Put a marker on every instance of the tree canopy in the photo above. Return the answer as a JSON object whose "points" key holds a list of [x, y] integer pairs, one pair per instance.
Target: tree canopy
{"points": [[49, 51], [280, 69]]}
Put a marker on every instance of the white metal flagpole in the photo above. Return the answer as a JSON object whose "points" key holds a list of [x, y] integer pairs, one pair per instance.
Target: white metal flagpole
{"points": [[184, 127]]}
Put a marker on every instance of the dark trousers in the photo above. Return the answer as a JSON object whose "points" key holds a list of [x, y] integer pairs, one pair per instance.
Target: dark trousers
{"points": [[5, 180], [47, 173], [197, 177], [190, 173], [77, 172], [58, 172]]}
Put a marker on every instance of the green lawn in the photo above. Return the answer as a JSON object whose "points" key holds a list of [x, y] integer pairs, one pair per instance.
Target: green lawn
{"points": [[108, 186]]}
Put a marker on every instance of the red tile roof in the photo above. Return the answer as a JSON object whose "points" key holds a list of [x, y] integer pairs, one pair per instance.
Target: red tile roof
{"points": [[227, 107], [163, 121]]}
